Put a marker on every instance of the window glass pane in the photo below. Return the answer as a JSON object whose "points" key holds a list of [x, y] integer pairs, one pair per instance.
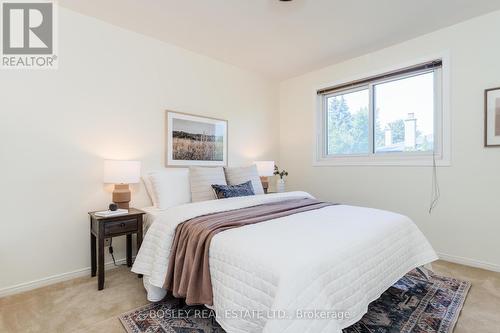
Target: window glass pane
{"points": [[404, 114], [347, 123]]}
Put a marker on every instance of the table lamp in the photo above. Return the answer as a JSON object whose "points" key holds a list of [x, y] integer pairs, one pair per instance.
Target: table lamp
{"points": [[265, 169], [121, 173]]}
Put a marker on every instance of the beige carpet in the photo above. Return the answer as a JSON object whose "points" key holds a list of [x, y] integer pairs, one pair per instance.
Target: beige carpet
{"points": [[77, 306]]}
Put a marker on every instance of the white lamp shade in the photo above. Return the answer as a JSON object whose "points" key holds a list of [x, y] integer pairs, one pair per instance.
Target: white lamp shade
{"points": [[122, 172], [265, 168]]}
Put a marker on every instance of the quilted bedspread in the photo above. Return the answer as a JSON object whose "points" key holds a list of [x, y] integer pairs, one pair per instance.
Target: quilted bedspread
{"points": [[315, 271]]}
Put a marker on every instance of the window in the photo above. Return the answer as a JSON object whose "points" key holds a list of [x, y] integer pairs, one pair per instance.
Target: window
{"points": [[348, 123], [404, 114], [393, 118]]}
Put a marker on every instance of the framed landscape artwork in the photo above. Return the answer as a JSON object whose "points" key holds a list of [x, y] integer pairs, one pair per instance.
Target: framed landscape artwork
{"points": [[195, 140], [492, 117]]}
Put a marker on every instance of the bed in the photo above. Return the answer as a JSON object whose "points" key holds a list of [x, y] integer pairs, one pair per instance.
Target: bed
{"points": [[314, 271]]}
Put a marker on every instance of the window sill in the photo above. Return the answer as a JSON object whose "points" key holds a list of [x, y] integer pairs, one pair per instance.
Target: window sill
{"points": [[422, 160]]}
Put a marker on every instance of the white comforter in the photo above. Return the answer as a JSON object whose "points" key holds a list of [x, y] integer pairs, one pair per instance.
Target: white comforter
{"points": [[330, 262]]}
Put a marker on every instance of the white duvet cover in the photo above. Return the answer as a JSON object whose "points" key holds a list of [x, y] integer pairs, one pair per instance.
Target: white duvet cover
{"points": [[316, 271]]}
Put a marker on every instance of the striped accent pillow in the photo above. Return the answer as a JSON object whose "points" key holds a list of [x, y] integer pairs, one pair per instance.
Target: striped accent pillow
{"points": [[201, 180], [241, 175]]}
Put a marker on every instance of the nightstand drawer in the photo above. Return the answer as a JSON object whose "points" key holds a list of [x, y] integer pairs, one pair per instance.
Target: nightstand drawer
{"points": [[118, 227]]}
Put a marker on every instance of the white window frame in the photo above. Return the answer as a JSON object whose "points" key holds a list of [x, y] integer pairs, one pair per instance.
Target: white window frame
{"points": [[442, 136]]}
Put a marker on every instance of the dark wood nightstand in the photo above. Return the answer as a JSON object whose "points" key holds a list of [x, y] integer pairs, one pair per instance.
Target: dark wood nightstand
{"points": [[108, 227]]}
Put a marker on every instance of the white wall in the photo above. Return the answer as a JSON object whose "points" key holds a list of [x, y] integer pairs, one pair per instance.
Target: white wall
{"points": [[466, 223], [106, 100]]}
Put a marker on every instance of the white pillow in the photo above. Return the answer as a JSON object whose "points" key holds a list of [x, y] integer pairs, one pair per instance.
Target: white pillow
{"points": [[236, 176], [149, 188], [168, 187], [202, 179]]}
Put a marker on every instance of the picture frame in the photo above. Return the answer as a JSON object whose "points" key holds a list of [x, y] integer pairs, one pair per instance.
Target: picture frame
{"points": [[193, 140], [492, 117]]}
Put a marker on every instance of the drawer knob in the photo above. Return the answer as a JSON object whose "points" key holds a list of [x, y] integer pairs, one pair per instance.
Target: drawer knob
{"points": [[122, 224]]}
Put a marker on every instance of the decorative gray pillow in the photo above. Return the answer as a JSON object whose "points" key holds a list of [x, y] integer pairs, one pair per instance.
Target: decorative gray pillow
{"points": [[200, 180], [240, 175], [231, 191]]}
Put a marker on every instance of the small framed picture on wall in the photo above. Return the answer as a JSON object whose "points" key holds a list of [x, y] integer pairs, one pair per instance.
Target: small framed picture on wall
{"points": [[492, 117], [193, 140]]}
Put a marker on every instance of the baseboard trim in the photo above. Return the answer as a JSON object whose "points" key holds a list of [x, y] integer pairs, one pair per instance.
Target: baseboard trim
{"points": [[469, 262], [19, 288]]}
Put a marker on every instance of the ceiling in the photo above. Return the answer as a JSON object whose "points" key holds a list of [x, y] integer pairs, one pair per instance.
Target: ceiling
{"points": [[282, 39]]}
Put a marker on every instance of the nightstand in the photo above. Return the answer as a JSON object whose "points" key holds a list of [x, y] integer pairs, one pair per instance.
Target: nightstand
{"points": [[108, 227]]}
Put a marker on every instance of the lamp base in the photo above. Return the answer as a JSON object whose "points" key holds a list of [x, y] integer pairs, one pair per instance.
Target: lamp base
{"points": [[121, 195], [265, 183]]}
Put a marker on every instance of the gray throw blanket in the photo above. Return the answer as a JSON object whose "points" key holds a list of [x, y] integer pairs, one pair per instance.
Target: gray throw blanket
{"points": [[188, 274]]}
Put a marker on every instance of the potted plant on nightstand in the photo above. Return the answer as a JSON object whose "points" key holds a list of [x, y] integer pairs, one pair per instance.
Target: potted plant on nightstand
{"points": [[280, 183]]}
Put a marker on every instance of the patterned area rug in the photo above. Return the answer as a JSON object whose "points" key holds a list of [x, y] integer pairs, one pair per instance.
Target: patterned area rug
{"points": [[417, 303]]}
